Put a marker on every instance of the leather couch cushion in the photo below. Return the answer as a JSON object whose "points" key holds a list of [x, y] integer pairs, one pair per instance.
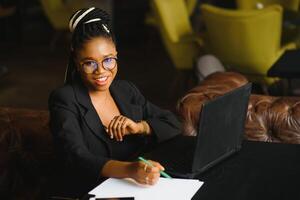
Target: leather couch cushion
{"points": [[26, 151], [269, 118]]}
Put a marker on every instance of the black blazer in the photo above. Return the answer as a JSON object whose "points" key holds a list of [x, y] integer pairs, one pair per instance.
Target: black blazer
{"points": [[79, 135]]}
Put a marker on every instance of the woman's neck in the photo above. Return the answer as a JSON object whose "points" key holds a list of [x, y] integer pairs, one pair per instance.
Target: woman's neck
{"points": [[99, 94]]}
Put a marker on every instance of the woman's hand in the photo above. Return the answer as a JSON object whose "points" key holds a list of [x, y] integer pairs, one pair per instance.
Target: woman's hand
{"points": [[145, 174], [121, 126], [139, 171]]}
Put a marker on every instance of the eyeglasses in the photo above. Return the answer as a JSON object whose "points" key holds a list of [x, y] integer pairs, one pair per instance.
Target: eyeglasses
{"points": [[90, 66]]}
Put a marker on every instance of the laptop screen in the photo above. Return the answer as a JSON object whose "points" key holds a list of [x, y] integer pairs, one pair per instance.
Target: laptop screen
{"points": [[220, 134], [221, 127]]}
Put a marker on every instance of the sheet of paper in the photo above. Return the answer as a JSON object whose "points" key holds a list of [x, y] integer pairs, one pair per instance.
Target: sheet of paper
{"points": [[181, 189]]}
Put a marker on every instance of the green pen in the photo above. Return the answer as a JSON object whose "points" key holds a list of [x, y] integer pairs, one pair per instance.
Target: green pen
{"points": [[164, 174]]}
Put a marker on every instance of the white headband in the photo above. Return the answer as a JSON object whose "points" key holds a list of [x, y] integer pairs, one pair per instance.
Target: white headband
{"points": [[93, 20], [72, 19], [73, 26], [105, 28]]}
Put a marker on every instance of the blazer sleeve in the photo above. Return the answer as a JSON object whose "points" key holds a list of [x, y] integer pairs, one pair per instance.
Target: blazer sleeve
{"points": [[65, 127], [163, 123]]}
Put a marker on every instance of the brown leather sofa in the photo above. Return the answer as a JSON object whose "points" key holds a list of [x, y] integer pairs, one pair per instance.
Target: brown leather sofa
{"points": [[269, 118], [27, 161]]}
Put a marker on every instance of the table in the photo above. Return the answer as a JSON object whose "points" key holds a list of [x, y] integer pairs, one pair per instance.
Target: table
{"points": [[259, 171]]}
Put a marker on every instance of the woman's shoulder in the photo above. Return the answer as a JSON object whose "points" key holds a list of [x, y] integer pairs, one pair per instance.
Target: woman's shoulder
{"points": [[65, 90], [64, 93]]}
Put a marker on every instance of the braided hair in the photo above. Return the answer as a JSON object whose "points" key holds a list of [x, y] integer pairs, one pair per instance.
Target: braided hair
{"points": [[86, 24]]}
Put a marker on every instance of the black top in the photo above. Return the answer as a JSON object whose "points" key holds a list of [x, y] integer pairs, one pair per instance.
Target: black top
{"points": [[79, 135]]}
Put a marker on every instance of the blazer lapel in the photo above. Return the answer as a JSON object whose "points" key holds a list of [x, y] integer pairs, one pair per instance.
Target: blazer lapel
{"points": [[123, 101], [88, 112]]}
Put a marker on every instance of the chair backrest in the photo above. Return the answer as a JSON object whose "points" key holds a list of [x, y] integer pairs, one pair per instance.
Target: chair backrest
{"points": [[173, 23], [292, 5], [174, 18], [190, 5], [245, 40]]}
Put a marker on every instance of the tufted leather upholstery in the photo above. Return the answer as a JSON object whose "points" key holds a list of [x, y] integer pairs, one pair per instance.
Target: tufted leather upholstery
{"points": [[269, 119], [26, 151]]}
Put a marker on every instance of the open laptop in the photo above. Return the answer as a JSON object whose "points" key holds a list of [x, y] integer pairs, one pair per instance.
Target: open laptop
{"points": [[220, 134]]}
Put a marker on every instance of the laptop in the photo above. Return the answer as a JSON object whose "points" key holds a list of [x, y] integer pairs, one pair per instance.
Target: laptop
{"points": [[219, 135]]}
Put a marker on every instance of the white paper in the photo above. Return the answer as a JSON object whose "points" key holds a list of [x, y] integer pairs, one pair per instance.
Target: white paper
{"points": [[165, 188]]}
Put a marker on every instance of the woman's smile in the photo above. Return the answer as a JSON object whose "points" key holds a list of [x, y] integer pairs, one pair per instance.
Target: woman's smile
{"points": [[102, 80]]}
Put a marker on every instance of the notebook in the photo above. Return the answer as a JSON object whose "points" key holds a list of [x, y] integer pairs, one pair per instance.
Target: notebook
{"points": [[220, 134]]}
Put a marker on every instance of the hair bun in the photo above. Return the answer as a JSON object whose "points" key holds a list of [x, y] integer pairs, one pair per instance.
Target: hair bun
{"points": [[87, 14], [103, 15]]}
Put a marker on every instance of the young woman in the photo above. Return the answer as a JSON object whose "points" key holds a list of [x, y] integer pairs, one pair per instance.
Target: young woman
{"points": [[99, 124]]}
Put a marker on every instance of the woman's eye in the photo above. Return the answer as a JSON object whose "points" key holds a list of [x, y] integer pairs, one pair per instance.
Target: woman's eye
{"points": [[108, 60], [89, 63]]}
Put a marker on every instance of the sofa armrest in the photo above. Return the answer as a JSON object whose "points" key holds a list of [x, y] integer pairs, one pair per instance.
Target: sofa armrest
{"points": [[269, 119]]}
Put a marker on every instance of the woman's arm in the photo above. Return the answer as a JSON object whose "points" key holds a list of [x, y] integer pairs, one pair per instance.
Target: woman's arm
{"points": [[121, 126], [140, 172], [161, 123]]}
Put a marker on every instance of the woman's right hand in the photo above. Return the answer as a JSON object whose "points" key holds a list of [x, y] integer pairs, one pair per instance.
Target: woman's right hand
{"points": [[145, 174], [120, 126]]}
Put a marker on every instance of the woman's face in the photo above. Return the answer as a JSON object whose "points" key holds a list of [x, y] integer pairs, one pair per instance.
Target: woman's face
{"points": [[96, 62]]}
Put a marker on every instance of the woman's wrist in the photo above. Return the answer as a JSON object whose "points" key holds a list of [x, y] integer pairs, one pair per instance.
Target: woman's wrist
{"points": [[116, 169], [144, 127], [120, 169]]}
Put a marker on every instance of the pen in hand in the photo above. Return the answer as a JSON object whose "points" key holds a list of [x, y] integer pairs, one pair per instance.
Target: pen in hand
{"points": [[164, 174]]}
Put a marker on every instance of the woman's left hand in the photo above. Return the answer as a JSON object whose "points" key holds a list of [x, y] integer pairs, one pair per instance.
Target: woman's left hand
{"points": [[120, 126]]}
